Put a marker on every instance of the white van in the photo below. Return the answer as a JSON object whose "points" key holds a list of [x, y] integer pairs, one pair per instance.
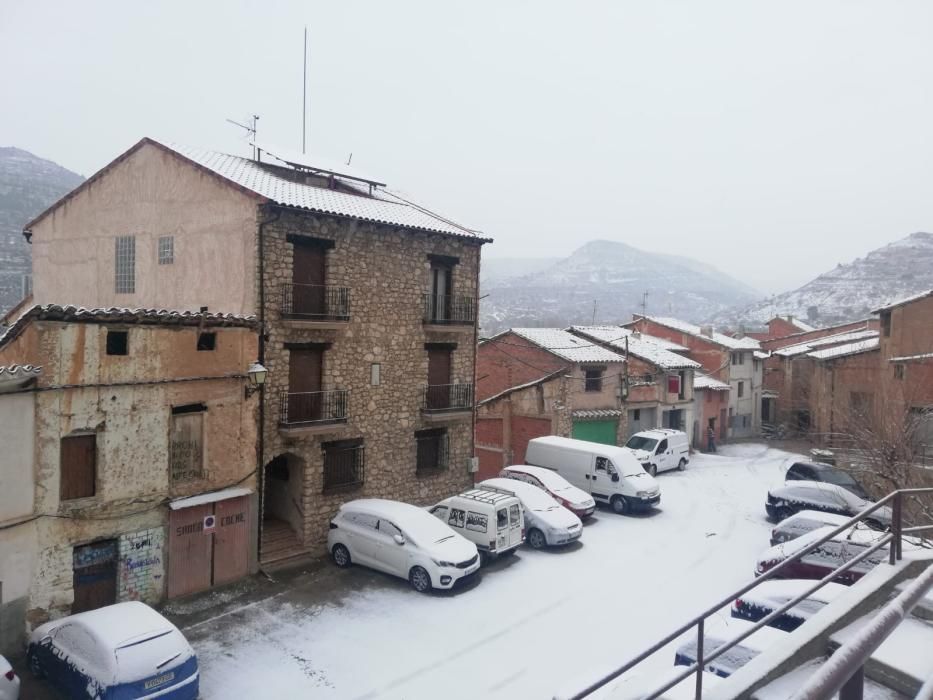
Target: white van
{"points": [[660, 450], [547, 522], [491, 520], [610, 474]]}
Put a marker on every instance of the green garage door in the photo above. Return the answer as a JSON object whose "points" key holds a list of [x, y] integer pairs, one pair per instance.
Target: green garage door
{"points": [[603, 431]]}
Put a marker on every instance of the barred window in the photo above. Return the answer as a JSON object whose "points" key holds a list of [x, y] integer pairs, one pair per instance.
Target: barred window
{"points": [[166, 250], [125, 265], [343, 463], [433, 450]]}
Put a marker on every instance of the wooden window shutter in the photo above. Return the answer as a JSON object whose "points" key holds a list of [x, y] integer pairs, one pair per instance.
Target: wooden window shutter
{"points": [[78, 467]]}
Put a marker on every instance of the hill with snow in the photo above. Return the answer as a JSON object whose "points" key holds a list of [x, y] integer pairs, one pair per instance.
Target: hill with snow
{"points": [[603, 282], [28, 184], [850, 291]]}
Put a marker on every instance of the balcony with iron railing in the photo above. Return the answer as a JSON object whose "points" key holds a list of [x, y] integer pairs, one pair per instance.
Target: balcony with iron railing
{"points": [[444, 310], [447, 400], [315, 303], [317, 411]]}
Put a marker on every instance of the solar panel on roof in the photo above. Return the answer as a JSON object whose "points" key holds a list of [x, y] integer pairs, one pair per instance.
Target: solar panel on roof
{"points": [[315, 163]]}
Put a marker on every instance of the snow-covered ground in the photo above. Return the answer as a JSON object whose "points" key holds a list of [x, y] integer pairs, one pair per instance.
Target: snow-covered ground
{"points": [[537, 623]]}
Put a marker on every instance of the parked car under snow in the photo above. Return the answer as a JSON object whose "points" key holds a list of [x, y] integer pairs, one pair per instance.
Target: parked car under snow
{"points": [[127, 650], [547, 522], [9, 681], [803, 522], [768, 596], [718, 633], [794, 496], [825, 473]]}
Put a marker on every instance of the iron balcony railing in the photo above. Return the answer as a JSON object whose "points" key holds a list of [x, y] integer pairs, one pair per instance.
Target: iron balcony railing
{"points": [[892, 540], [344, 467], [309, 407], [315, 302], [448, 397], [451, 310]]}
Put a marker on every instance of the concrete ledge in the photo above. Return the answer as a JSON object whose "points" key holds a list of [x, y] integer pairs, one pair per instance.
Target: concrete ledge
{"points": [[810, 640], [446, 416]]}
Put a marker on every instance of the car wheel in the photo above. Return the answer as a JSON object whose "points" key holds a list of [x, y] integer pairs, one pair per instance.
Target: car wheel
{"points": [[682, 464], [536, 538], [341, 556], [782, 513], [35, 667], [420, 579], [620, 505], [653, 469]]}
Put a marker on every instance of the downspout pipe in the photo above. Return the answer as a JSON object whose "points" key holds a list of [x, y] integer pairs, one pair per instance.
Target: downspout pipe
{"points": [[269, 215], [479, 255]]}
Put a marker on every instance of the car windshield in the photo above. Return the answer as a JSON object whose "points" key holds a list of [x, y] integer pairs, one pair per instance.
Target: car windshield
{"points": [[638, 442], [840, 479]]}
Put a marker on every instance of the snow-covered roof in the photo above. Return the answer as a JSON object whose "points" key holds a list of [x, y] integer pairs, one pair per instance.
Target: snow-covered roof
{"points": [[212, 497], [761, 354], [596, 413], [809, 345], [704, 381], [13, 376], [796, 323], [567, 346], [903, 358], [646, 347], [416, 521], [900, 302], [713, 337], [846, 350], [56, 312]]}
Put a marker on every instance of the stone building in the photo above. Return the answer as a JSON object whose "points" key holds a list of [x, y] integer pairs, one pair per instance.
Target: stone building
{"points": [[723, 357], [660, 380], [133, 416], [544, 381], [366, 304], [711, 404]]}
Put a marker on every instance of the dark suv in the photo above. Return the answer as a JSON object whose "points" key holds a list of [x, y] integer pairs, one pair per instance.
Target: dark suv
{"points": [[811, 471]]}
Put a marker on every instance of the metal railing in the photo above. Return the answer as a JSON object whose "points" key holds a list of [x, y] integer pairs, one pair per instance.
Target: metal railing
{"points": [[315, 302], [449, 309], [448, 397], [308, 407], [892, 539], [343, 466]]}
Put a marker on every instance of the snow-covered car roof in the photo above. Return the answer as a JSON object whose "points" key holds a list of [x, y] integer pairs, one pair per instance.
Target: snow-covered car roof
{"points": [[820, 492], [776, 592], [415, 521], [530, 495], [114, 626]]}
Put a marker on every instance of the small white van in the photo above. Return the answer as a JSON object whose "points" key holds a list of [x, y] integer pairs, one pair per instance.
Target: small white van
{"points": [[610, 474], [660, 450], [491, 520], [547, 522]]}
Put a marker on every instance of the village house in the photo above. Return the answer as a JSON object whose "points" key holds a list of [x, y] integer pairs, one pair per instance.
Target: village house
{"points": [[789, 374], [781, 327], [840, 385], [660, 381], [544, 381], [130, 459], [366, 305], [730, 360], [711, 403]]}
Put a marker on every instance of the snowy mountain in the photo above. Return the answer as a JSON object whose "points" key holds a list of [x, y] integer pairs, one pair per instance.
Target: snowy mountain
{"points": [[28, 185], [613, 277], [851, 291]]}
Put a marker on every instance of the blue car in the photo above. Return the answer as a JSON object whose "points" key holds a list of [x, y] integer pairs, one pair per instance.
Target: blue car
{"points": [[126, 651]]}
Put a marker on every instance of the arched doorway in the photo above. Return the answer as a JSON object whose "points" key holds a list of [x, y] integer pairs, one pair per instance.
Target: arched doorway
{"points": [[282, 510]]}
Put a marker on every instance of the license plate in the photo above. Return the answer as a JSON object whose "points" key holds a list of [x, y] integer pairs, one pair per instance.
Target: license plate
{"points": [[164, 678]]}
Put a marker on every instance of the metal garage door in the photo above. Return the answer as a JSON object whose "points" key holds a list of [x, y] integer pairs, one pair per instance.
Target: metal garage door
{"points": [[603, 431]]}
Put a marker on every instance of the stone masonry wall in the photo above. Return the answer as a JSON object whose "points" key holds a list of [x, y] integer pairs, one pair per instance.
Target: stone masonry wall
{"points": [[387, 272]]}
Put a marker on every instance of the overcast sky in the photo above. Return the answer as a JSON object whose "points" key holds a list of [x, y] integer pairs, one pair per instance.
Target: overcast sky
{"points": [[771, 139]]}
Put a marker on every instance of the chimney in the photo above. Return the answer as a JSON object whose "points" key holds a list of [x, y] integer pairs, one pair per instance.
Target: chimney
{"points": [[707, 331], [636, 333], [741, 331]]}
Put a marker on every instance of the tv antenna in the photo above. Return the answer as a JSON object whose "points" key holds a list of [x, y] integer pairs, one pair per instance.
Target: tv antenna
{"points": [[644, 303], [250, 131]]}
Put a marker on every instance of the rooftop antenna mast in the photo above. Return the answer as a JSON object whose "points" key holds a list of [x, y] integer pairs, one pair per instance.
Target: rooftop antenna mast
{"points": [[250, 131], [644, 303], [304, 96]]}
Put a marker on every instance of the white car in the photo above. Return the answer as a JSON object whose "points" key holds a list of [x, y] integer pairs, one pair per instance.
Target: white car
{"points": [[787, 499], [803, 522], [577, 501], [660, 450], [9, 681], [402, 540], [547, 522]]}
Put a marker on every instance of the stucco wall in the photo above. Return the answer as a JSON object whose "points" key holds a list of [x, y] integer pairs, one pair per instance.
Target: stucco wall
{"points": [[387, 271], [17, 426], [150, 194]]}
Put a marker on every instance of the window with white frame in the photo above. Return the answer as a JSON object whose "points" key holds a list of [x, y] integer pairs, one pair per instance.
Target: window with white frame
{"points": [[166, 250], [125, 265]]}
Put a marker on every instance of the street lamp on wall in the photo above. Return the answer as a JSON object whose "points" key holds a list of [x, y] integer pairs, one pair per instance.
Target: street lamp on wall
{"points": [[257, 377]]}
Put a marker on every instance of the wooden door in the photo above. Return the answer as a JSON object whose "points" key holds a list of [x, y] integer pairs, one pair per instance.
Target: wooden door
{"points": [[95, 575], [190, 550], [305, 369], [438, 378], [308, 274], [231, 540]]}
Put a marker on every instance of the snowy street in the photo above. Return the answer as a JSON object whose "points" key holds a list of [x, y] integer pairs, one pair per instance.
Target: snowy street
{"points": [[536, 623]]}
